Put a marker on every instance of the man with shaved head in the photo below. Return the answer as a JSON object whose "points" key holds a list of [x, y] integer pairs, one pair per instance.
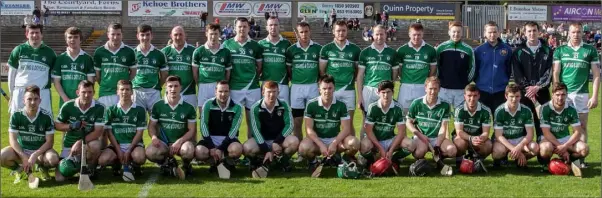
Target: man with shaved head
{"points": [[179, 62]]}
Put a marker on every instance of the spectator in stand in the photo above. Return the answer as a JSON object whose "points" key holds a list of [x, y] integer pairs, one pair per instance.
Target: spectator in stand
{"points": [[26, 21], [349, 23], [46, 16], [597, 36], [203, 17], [325, 26], [385, 18], [504, 36], [37, 14], [255, 31], [228, 32], [274, 14], [333, 17], [356, 24], [377, 18], [552, 42], [304, 19], [551, 29], [560, 28], [266, 15], [391, 33], [366, 34], [216, 21], [585, 28], [251, 21]]}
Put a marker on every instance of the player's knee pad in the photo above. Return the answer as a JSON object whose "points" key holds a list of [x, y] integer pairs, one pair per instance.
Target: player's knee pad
{"points": [[298, 112]]}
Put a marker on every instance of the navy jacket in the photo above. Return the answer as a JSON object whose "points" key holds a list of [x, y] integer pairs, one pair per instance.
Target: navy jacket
{"points": [[493, 66]]}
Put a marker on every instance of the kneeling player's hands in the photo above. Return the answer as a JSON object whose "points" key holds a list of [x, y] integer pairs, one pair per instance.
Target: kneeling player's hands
{"points": [[561, 150], [76, 149], [269, 156], [31, 161], [323, 150], [592, 103], [25, 163], [475, 140], [516, 152], [175, 147], [332, 149], [389, 154], [382, 152], [75, 125], [522, 160], [216, 154]]}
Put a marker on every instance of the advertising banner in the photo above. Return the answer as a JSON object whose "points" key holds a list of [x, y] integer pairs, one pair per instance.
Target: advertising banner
{"points": [[402, 10], [16, 7], [167, 8], [527, 12], [251, 8], [343, 10], [576, 13], [83, 7]]}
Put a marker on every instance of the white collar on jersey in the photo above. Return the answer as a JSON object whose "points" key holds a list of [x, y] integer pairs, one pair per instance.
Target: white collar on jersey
{"points": [[426, 103], [466, 108], [107, 46], [334, 101], [381, 106], [379, 51], [76, 104], [311, 42], [421, 45], [263, 105], [551, 104], [507, 109], [152, 47], [126, 110]]}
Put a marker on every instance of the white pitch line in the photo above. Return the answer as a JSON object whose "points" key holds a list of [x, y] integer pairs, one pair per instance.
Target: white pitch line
{"points": [[148, 185]]}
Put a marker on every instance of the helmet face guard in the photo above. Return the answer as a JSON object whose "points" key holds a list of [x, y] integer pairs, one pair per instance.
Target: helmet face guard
{"points": [[420, 168]]}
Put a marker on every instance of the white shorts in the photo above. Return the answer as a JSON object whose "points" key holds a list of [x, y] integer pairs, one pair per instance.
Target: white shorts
{"points": [[65, 152], [284, 93], [515, 141], [369, 96], [347, 97], [408, 93], [146, 98], [245, 97], [327, 141], [432, 141], [17, 95], [302, 94], [29, 152], [217, 141], [386, 144], [564, 139], [125, 147], [579, 101], [190, 99], [454, 97], [206, 91], [108, 101]]}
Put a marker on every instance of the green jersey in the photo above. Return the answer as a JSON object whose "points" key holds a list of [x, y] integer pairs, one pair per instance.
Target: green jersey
{"points": [[274, 64], [304, 63], [429, 119], [33, 65], [212, 65], [575, 64], [71, 112], [384, 122], [244, 63], [179, 64], [416, 62], [341, 63], [173, 121], [558, 122], [327, 121], [378, 65], [149, 64], [113, 66], [513, 124], [72, 71], [472, 123], [31, 133], [125, 123]]}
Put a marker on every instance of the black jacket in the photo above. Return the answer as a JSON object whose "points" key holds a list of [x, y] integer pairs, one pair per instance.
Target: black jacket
{"points": [[532, 68]]}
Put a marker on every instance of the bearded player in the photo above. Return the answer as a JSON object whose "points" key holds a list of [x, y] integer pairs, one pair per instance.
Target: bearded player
{"points": [[556, 116], [383, 116], [30, 137], [339, 59], [126, 123], [172, 126], [324, 117], [513, 126], [472, 122]]}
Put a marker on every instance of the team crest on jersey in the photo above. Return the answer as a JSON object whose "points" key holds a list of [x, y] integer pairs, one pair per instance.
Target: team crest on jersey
{"points": [[279, 113], [43, 58], [222, 59], [504, 52], [334, 114], [230, 117], [342, 54], [182, 116], [314, 55], [41, 128], [123, 59], [461, 55], [154, 61], [187, 58], [384, 119], [250, 51], [31, 128], [426, 56], [388, 58]]}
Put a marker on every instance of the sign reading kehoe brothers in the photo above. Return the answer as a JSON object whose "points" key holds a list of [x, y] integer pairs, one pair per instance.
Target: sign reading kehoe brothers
{"points": [[167, 8]]}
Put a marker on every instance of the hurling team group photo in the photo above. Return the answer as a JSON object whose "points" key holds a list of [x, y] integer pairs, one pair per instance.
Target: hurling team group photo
{"points": [[442, 110]]}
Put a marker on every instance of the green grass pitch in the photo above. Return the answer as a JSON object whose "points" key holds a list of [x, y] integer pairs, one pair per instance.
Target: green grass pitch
{"points": [[509, 182]]}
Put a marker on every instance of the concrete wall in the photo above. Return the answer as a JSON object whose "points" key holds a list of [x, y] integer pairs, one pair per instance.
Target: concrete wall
{"points": [[163, 21]]}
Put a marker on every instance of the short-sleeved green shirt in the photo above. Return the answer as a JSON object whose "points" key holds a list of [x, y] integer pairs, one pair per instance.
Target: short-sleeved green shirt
{"points": [[472, 123], [274, 61], [113, 66], [385, 122], [575, 65], [416, 63], [71, 112], [559, 122], [172, 121], [378, 65], [31, 133], [33, 65], [72, 71], [304, 63], [429, 119], [125, 123], [149, 64], [327, 121], [513, 124], [244, 63], [179, 63], [212, 65], [341, 63]]}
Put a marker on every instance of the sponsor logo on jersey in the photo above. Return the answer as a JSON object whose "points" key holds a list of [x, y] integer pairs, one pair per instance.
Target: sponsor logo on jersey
{"points": [[504, 52]]}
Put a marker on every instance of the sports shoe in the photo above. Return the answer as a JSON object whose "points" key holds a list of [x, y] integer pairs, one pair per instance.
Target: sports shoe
{"points": [[583, 164], [165, 169], [18, 175], [175, 169], [137, 170], [127, 174], [298, 160], [316, 168], [187, 169], [45, 176]]}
